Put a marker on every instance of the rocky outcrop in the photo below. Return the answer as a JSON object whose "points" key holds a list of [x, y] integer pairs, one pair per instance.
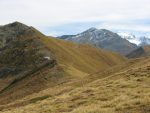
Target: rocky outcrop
{"points": [[21, 50]]}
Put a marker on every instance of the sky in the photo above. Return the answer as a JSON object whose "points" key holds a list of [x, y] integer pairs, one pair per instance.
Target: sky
{"points": [[63, 17]]}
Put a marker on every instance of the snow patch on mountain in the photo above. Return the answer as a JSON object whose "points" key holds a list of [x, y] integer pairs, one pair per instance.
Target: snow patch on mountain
{"points": [[140, 41], [131, 38]]}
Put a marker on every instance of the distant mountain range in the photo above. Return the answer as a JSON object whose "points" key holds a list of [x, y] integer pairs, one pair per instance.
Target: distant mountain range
{"points": [[140, 41], [103, 38]]}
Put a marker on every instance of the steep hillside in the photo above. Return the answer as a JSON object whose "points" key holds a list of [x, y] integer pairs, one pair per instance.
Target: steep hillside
{"points": [[31, 62], [21, 51], [83, 79], [120, 89], [85, 58], [23, 56], [103, 38], [140, 52], [11, 31]]}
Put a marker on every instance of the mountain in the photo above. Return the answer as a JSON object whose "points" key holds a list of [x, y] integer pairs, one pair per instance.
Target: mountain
{"points": [[131, 38], [15, 35], [10, 32], [31, 62], [120, 89], [65, 77], [140, 41], [66, 36], [140, 52], [144, 41], [81, 57], [105, 39], [20, 50]]}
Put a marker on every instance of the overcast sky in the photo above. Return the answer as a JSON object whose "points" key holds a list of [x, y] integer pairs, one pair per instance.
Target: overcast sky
{"points": [[58, 17]]}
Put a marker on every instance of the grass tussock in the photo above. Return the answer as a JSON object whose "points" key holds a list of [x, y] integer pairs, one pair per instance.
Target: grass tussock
{"points": [[34, 100]]}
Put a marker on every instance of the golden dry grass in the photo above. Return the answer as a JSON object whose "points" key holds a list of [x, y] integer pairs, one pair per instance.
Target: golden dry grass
{"points": [[99, 82], [74, 61], [124, 91], [85, 58]]}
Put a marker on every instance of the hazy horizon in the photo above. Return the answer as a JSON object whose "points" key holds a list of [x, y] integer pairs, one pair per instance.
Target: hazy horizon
{"points": [[62, 17]]}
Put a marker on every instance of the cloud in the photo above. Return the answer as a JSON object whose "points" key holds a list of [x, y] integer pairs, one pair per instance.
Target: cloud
{"points": [[55, 13]]}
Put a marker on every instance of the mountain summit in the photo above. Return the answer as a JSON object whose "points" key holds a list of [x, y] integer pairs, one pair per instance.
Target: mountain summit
{"points": [[11, 31], [38, 73], [20, 49], [104, 39]]}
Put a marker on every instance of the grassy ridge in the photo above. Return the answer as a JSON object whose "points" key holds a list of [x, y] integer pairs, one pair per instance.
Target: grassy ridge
{"points": [[124, 91], [85, 58], [50, 87]]}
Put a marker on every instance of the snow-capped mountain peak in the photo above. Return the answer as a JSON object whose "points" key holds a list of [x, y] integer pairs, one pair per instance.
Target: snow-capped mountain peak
{"points": [[131, 38], [136, 40], [105, 39], [91, 29], [126, 35]]}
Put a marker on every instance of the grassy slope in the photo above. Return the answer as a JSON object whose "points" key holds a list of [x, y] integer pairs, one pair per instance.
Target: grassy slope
{"points": [[147, 49], [74, 60], [124, 90], [118, 89], [83, 59], [140, 52]]}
